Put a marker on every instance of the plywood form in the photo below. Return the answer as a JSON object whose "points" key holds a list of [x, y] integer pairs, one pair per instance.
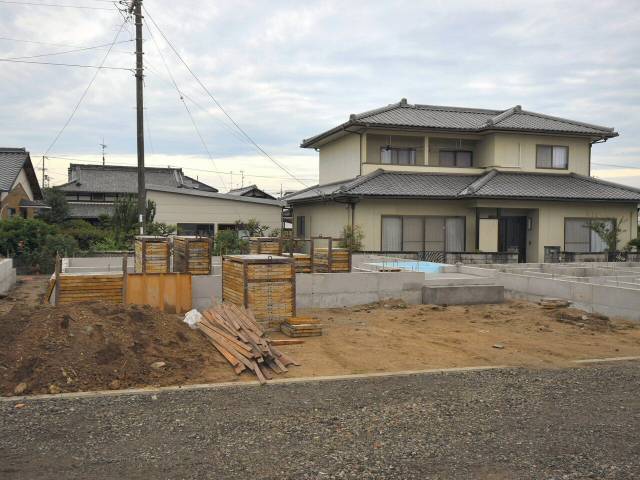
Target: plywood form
{"points": [[265, 245], [192, 255], [331, 260], [169, 292], [152, 254], [82, 288], [263, 283]]}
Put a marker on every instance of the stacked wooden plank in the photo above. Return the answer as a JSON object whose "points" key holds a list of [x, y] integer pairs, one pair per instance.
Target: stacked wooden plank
{"points": [[152, 254], [332, 260], [301, 327], [303, 262], [88, 287], [265, 245], [266, 284], [192, 255], [238, 337]]}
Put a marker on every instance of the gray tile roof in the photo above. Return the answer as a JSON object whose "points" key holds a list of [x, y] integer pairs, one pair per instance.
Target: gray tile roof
{"points": [[12, 161], [251, 191], [492, 184], [123, 179], [467, 120], [221, 196]]}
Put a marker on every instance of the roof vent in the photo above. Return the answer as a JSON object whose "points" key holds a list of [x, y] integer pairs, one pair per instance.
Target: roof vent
{"points": [[352, 116], [403, 102], [517, 108]]}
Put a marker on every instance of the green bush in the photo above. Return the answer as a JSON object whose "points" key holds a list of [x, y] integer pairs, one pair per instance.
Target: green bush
{"points": [[85, 234], [35, 243], [352, 238], [229, 242]]}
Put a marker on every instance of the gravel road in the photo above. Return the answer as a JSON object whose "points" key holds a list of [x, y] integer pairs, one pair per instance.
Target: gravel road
{"points": [[496, 424]]}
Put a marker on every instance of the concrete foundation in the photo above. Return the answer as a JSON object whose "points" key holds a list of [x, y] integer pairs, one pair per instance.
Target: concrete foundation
{"points": [[611, 289], [462, 294], [7, 275]]}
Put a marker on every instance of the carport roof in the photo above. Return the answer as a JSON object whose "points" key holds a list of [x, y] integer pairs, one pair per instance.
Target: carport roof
{"points": [[491, 184]]}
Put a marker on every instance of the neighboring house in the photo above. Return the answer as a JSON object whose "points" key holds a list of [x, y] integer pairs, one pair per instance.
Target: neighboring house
{"points": [[195, 207], [430, 178], [251, 191], [20, 192]]}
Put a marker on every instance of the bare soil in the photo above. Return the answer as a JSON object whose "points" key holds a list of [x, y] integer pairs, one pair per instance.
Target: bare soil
{"points": [[392, 336], [96, 346]]}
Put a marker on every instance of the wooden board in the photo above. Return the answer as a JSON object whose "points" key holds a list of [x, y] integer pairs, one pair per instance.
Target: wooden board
{"points": [[332, 260], [83, 288], [264, 284], [152, 254], [169, 292], [265, 245], [192, 255]]}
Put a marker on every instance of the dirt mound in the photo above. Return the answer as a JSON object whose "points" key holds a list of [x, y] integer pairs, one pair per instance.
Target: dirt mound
{"points": [[96, 345]]}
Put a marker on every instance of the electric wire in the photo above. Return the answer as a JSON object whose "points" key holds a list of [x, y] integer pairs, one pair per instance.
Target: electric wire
{"points": [[206, 90], [66, 51], [193, 121], [86, 90], [98, 67], [34, 4]]}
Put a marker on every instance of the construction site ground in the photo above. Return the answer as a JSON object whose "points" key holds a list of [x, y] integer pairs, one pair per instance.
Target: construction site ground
{"points": [[98, 346]]}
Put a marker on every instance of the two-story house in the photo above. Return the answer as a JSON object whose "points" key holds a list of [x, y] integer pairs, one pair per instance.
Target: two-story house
{"points": [[432, 178]]}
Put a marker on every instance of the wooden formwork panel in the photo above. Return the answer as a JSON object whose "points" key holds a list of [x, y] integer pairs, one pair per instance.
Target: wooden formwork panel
{"points": [[332, 260], [83, 288], [303, 262], [169, 292], [265, 245], [192, 255], [152, 255], [264, 284]]}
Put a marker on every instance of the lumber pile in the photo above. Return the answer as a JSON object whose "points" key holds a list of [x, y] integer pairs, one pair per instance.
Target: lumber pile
{"points": [[301, 327], [237, 336]]}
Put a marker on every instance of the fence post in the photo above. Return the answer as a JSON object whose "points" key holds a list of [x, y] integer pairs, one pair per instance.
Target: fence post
{"points": [[58, 270], [124, 278]]}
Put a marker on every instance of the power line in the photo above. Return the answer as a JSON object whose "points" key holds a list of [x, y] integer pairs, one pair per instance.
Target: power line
{"points": [[193, 121], [34, 4], [240, 129], [11, 39], [99, 67], [66, 51], [86, 90]]}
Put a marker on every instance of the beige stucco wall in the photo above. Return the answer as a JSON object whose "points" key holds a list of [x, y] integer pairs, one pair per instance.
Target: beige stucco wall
{"points": [[547, 218], [176, 208], [323, 219], [508, 151], [488, 235], [24, 181], [340, 159]]}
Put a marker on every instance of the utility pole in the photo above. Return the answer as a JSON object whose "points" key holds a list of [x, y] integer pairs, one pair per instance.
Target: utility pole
{"points": [[43, 172], [241, 178], [103, 147], [136, 9]]}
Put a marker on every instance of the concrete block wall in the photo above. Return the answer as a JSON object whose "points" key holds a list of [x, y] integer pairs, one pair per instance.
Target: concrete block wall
{"points": [[7, 275]]}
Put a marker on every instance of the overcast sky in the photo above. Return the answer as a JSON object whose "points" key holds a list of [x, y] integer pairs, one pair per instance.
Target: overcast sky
{"points": [[286, 70]]}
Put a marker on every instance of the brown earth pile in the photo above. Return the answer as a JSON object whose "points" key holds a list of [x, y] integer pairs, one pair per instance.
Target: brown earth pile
{"points": [[93, 346]]}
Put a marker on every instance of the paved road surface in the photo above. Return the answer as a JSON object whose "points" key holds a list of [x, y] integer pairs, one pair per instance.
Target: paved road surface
{"points": [[501, 424]]}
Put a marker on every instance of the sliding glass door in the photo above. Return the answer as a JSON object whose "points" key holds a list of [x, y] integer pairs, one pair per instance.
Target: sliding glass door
{"points": [[412, 233]]}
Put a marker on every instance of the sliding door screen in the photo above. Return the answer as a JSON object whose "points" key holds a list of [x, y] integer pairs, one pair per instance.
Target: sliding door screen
{"points": [[423, 233], [392, 234], [454, 229], [412, 231], [434, 234]]}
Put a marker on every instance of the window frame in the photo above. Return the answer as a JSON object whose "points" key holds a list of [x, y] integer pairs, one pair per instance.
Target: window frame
{"points": [[398, 149], [538, 146], [302, 235], [455, 157], [586, 220], [424, 217]]}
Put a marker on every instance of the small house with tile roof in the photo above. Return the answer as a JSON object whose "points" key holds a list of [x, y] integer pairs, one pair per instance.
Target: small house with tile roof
{"points": [[20, 192]]}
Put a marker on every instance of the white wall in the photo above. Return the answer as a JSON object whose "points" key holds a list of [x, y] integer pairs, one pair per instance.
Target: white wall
{"points": [[340, 159], [176, 208], [24, 181]]}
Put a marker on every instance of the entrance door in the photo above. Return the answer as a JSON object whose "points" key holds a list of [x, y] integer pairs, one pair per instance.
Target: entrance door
{"points": [[512, 233]]}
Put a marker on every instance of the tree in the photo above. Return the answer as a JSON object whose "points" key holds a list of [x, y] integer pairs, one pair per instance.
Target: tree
{"points": [[608, 231], [352, 238], [57, 200], [125, 217], [253, 227], [228, 242]]}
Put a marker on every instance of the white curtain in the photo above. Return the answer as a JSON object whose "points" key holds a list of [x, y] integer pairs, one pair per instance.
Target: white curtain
{"points": [[454, 228], [597, 244], [559, 157], [576, 235], [391, 234]]}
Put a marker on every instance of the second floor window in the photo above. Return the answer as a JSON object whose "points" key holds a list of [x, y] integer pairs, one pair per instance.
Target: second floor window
{"points": [[455, 158], [552, 156], [397, 156]]}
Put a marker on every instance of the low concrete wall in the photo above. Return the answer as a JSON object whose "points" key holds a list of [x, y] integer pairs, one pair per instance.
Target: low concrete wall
{"points": [[7, 275], [608, 300], [462, 294], [95, 264], [327, 290]]}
